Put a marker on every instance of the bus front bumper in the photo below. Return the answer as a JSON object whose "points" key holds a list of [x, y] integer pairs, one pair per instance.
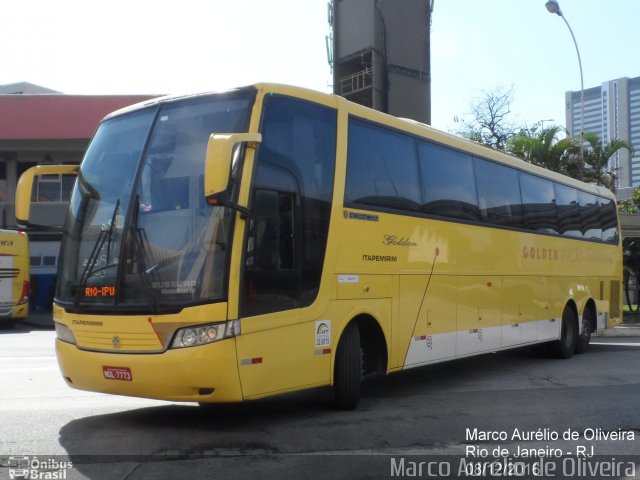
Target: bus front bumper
{"points": [[207, 373]]}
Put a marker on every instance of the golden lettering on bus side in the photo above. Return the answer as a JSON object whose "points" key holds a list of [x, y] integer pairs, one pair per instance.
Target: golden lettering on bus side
{"points": [[567, 255], [540, 253]]}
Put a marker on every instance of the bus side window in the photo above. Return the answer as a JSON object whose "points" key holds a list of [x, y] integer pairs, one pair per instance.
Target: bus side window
{"points": [[448, 182], [499, 195], [270, 244], [382, 170], [590, 216], [568, 208], [538, 203], [609, 220], [290, 206]]}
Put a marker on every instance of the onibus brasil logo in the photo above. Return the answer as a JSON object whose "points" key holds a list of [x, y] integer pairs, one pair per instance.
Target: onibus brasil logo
{"points": [[25, 467]]}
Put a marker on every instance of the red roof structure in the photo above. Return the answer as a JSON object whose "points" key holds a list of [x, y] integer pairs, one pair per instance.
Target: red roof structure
{"points": [[57, 117]]}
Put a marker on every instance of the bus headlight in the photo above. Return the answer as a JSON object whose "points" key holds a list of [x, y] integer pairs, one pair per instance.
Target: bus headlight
{"points": [[65, 334], [203, 334]]}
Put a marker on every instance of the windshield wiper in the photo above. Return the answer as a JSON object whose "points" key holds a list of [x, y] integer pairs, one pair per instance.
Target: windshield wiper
{"points": [[105, 234], [139, 247]]}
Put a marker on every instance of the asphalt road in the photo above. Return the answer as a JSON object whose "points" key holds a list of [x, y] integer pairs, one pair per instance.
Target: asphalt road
{"points": [[439, 414]]}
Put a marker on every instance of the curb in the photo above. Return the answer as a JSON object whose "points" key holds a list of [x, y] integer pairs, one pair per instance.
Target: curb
{"points": [[620, 331]]}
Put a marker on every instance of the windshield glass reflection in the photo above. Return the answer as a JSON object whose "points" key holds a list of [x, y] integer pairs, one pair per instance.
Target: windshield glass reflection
{"points": [[140, 234]]}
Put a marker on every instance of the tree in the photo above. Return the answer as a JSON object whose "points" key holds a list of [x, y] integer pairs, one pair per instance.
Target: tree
{"points": [[631, 247], [631, 262], [544, 149], [489, 123], [596, 159], [632, 205]]}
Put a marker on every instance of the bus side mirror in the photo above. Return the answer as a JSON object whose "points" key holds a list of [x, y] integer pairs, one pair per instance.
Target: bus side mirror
{"points": [[219, 160], [25, 188]]}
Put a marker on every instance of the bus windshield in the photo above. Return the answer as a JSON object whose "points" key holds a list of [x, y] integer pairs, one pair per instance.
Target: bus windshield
{"points": [[139, 234]]}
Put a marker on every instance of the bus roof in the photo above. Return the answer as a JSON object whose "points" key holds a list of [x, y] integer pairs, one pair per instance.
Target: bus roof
{"points": [[404, 124]]}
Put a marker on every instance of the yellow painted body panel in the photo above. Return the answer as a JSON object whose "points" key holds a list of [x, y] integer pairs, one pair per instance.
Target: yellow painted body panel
{"points": [[136, 333], [281, 359], [525, 301], [437, 290], [169, 374], [427, 314], [478, 313], [176, 375], [481, 281], [285, 351], [14, 272], [367, 287]]}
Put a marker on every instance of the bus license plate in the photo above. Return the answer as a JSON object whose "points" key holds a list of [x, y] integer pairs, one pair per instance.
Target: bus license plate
{"points": [[117, 373]]}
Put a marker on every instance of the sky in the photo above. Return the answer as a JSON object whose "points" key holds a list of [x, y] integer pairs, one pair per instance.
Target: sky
{"points": [[169, 47]]}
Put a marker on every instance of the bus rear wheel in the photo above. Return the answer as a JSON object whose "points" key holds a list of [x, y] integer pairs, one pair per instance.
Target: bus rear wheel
{"points": [[585, 336], [347, 376], [566, 346]]}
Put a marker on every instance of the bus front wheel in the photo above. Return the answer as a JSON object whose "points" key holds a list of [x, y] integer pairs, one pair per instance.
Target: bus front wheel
{"points": [[566, 346], [347, 375]]}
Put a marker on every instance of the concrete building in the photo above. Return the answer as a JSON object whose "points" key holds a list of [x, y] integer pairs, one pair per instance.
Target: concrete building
{"points": [[40, 126], [611, 110], [379, 52]]}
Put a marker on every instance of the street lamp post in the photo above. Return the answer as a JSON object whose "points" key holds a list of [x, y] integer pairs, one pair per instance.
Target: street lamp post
{"points": [[554, 7]]}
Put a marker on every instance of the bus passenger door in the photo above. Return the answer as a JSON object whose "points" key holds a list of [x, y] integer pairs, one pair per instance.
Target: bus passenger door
{"points": [[285, 339], [273, 360], [478, 309], [277, 348]]}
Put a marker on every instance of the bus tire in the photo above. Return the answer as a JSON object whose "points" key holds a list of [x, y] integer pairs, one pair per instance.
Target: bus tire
{"points": [[566, 346], [347, 376], [582, 345]]}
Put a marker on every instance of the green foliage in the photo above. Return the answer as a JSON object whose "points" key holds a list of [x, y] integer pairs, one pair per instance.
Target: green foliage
{"points": [[489, 124], [631, 262], [632, 205], [562, 155], [544, 149], [596, 159], [631, 246]]}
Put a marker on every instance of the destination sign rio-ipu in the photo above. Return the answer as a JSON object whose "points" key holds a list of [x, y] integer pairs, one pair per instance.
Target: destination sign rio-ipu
{"points": [[100, 291]]}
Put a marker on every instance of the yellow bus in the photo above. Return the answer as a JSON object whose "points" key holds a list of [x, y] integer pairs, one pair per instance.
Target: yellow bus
{"points": [[14, 276], [232, 246]]}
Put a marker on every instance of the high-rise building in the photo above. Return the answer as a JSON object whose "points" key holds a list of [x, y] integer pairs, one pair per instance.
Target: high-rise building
{"points": [[611, 110], [379, 53]]}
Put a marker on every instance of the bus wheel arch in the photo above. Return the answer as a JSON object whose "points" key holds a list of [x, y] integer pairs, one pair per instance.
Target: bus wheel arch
{"points": [[375, 354], [588, 325], [361, 349]]}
